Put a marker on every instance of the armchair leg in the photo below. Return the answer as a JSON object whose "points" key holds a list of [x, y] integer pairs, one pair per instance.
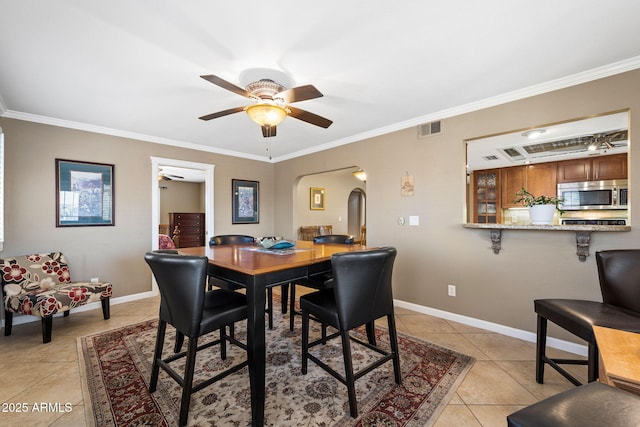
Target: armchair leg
{"points": [[349, 375], [178, 344], [66, 313], [8, 323], [47, 326], [106, 308], [157, 355], [541, 343], [592, 369]]}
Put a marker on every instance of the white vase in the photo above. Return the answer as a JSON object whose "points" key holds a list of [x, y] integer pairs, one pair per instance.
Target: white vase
{"points": [[541, 214]]}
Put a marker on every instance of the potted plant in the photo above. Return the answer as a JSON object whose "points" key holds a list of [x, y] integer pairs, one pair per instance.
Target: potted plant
{"points": [[541, 208]]}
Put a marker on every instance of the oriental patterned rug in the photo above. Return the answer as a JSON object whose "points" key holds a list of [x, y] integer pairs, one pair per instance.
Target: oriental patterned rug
{"points": [[117, 368]]}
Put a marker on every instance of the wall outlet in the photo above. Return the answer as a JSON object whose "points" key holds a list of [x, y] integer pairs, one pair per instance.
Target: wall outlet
{"points": [[94, 280], [451, 290]]}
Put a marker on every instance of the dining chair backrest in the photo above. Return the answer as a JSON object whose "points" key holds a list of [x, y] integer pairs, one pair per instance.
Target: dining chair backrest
{"points": [[619, 274], [362, 285], [182, 283], [231, 239], [334, 238]]}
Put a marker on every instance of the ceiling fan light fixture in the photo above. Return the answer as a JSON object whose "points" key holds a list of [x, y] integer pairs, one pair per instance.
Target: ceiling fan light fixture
{"points": [[360, 174], [266, 114]]}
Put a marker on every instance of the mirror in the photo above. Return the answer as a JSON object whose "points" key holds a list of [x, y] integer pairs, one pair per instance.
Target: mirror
{"points": [[546, 159]]}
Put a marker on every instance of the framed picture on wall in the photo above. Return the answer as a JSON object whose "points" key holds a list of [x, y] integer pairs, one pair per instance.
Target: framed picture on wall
{"points": [[316, 198], [84, 194], [245, 201]]}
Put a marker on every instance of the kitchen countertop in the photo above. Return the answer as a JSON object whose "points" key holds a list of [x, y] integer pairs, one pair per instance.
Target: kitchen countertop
{"points": [[551, 227]]}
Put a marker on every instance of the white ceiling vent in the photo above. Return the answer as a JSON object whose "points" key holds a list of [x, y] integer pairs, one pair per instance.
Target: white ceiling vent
{"points": [[428, 129]]}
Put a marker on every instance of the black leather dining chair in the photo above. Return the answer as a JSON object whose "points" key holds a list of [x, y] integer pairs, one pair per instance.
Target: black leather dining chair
{"points": [[238, 239], [619, 276], [193, 312], [361, 294], [318, 280]]}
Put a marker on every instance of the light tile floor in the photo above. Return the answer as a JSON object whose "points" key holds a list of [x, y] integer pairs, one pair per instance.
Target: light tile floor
{"points": [[501, 381]]}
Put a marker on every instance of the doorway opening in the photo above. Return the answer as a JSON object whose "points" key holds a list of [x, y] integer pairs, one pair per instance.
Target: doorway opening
{"points": [[157, 164], [356, 215]]}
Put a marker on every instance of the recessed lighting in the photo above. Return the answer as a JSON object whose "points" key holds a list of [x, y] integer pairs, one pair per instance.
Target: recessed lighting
{"points": [[533, 133]]}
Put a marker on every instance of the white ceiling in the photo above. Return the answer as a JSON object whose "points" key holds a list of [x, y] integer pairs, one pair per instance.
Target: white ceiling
{"points": [[132, 68]]}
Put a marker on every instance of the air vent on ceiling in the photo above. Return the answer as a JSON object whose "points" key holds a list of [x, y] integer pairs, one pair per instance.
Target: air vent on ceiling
{"points": [[427, 129], [491, 157], [512, 153]]}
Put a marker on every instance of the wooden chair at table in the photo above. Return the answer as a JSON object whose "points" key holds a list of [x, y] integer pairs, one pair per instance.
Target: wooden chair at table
{"points": [[319, 280], [619, 276], [193, 312], [361, 294], [238, 239]]}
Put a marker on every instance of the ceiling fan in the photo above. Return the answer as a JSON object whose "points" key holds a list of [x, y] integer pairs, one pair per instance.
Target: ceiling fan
{"points": [[163, 175], [272, 103]]}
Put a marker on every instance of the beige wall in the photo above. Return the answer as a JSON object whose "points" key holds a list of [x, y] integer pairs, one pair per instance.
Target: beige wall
{"points": [[176, 196], [110, 253], [532, 264]]}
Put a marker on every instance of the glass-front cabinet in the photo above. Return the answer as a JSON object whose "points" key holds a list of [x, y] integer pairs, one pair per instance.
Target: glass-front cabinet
{"points": [[487, 193]]}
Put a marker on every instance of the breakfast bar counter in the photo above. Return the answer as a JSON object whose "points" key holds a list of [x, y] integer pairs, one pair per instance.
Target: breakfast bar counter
{"points": [[583, 233]]}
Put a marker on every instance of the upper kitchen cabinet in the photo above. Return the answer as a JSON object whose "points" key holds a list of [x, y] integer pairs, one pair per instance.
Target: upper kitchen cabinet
{"points": [[593, 168], [610, 167], [538, 179], [487, 197], [512, 180]]}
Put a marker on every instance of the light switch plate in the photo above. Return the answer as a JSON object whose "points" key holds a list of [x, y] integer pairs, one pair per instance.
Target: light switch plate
{"points": [[414, 220]]}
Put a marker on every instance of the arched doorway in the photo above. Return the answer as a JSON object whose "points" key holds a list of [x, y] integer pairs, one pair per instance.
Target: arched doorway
{"points": [[356, 217]]}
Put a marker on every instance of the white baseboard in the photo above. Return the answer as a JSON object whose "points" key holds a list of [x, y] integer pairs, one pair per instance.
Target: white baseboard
{"points": [[578, 349], [19, 320]]}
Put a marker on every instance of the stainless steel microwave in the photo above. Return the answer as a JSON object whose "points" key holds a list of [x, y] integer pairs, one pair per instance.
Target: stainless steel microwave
{"points": [[612, 194]]}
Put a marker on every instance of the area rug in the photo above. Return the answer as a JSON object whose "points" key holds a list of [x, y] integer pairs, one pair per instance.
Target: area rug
{"points": [[117, 368]]}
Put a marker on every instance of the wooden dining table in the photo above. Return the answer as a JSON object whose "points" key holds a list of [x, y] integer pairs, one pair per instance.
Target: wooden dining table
{"points": [[256, 269]]}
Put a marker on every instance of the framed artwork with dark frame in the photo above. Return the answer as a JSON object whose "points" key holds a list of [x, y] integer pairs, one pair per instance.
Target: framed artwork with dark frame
{"points": [[316, 198], [84, 194], [245, 201]]}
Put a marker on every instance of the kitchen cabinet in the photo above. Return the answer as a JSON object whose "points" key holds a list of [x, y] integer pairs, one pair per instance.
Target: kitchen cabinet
{"points": [[190, 226], [542, 179], [610, 167], [593, 168], [512, 180], [538, 179], [486, 190]]}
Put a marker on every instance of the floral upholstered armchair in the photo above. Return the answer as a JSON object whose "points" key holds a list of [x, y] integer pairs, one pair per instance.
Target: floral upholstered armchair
{"points": [[40, 285]]}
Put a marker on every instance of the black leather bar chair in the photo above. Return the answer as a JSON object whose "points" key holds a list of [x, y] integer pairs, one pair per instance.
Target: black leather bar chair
{"points": [[238, 239], [193, 312], [317, 280], [590, 405], [361, 294], [619, 275]]}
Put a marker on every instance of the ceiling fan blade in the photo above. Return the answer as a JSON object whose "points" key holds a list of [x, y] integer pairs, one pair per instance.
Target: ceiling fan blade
{"points": [[308, 117], [268, 131], [228, 85], [300, 93], [222, 113]]}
